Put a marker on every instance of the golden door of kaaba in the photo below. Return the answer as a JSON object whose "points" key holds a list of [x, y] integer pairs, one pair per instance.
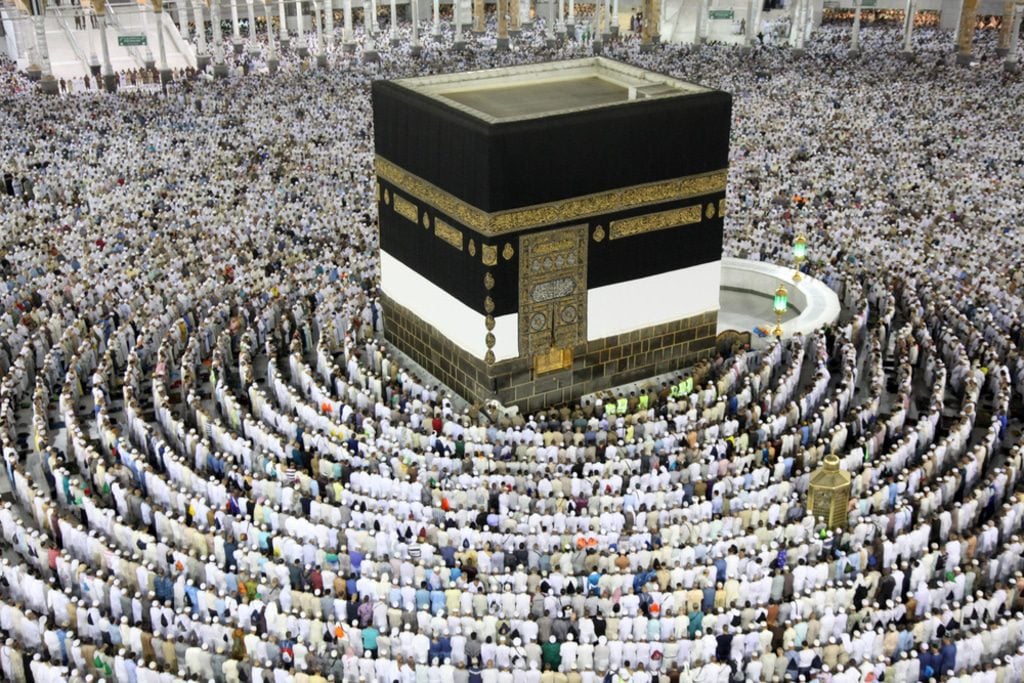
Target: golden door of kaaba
{"points": [[552, 295]]}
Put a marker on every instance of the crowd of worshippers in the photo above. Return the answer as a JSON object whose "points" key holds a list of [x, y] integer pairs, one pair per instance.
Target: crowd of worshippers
{"points": [[217, 470]]}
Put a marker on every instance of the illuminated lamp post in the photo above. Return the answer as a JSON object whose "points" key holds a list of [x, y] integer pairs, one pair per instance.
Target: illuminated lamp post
{"points": [[780, 304], [800, 255]]}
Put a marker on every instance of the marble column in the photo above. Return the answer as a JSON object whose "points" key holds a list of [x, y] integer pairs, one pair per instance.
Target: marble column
{"points": [[370, 26], [202, 51], [1003, 46], [250, 16], [1011, 63], [47, 83], [374, 18], [109, 79], [460, 43], [147, 53], [751, 34], [965, 34], [282, 21], [479, 20], [570, 22], [182, 14], [702, 23], [560, 24], [524, 14], [161, 47], [300, 31], [272, 60], [415, 48], [394, 23], [435, 28], [647, 27], [855, 32], [347, 41], [503, 24], [514, 18], [329, 21], [908, 29], [656, 21], [236, 32], [615, 17], [321, 43], [220, 67]]}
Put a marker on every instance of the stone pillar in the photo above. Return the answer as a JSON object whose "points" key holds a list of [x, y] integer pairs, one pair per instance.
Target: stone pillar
{"points": [[250, 15], [965, 35], [347, 42], [596, 44], [109, 79], [514, 17], [147, 54], [271, 51], [416, 49], [161, 48], [560, 24], [855, 33], [220, 67], [908, 30], [301, 46], [329, 21], [615, 17], [282, 21], [701, 33], [460, 43], [525, 20], [479, 20], [236, 32], [435, 29], [751, 35], [394, 24], [321, 53], [552, 24], [794, 28], [1011, 63], [370, 25], [570, 23], [202, 52], [502, 25], [1003, 46], [647, 27], [656, 21], [182, 13]]}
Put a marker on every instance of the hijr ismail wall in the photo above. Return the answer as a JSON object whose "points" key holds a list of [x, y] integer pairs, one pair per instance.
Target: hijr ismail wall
{"points": [[533, 258]]}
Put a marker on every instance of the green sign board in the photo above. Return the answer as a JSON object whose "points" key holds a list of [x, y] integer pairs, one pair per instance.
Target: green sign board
{"points": [[720, 14], [131, 41], [868, 3]]}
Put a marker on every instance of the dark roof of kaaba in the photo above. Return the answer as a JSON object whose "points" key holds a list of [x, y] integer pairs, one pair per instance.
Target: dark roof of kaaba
{"points": [[548, 88]]}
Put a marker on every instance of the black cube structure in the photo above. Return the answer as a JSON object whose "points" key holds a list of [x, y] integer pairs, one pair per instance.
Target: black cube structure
{"points": [[552, 229]]}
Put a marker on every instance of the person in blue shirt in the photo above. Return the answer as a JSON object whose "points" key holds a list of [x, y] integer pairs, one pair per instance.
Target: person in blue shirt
{"points": [[370, 635], [947, 657]]}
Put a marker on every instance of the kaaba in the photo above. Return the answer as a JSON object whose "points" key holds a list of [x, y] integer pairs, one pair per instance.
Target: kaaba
{"points": [[550, 230]]}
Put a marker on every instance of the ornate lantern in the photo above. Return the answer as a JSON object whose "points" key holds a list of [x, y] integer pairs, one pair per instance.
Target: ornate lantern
{"points": [[780, 304], [829, 494], [799, 255]]}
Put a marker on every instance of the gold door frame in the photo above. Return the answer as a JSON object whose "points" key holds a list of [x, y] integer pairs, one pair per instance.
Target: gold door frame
{"points": [[552, 290]]}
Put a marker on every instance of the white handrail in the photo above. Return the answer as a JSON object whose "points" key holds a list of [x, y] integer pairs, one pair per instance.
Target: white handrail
{"points": [[62, 21]]}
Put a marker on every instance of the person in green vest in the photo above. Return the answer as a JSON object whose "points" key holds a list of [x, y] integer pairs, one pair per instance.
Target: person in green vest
{"points": [[551, 654], [621, 405], [644, 400]]}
